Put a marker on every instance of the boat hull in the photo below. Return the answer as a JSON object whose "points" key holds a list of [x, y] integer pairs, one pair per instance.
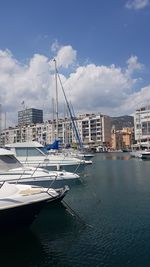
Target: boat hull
{"points": [[145, 155], [42, 181], [23, 215], [20, 216], [53, 184]]}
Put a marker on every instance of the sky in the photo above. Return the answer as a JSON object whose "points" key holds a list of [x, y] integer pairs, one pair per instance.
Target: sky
{"points": [[101, 48]]}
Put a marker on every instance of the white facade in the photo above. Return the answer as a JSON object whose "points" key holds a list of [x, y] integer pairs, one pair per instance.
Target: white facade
{"points": [[142, 124], [93, 129]]}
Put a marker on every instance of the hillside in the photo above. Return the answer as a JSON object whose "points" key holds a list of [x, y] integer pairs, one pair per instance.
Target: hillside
{"points": [[122, 121]]}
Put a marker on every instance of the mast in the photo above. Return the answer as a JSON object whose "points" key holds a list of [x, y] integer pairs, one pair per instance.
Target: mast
{"points": [[56, 88], [5, 121], [53, 125], [140, 127], [70, 113], [0, 122], [147, 125]]}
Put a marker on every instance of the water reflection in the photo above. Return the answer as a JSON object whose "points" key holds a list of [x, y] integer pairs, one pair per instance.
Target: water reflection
{"points": [[57, 228], [43, 242], [113, 199], [115, 156], [21, 248]]}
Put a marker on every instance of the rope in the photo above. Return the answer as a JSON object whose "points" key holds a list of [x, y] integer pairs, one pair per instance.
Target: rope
{"points": [[74, 213]]}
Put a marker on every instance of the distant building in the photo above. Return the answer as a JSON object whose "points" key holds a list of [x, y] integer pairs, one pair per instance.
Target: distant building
{"points": [[121, 139], [142, 124], [94, 130], [30, 116]]}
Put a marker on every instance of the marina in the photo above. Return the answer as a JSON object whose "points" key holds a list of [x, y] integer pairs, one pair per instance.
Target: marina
{"points": [[104, 221], [75, 133]]}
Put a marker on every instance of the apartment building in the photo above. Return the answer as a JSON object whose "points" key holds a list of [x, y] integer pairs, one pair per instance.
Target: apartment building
{"points": [[121, 139], [93, 130], [142, 124]]}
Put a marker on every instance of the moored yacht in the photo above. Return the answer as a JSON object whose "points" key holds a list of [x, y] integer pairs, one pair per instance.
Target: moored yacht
{"points": [[32, 154], [20, 204], [141, 150], [11, 170], [76, 153]]}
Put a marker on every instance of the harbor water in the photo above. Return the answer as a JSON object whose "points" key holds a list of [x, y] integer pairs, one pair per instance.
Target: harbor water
{"points": [[105, 221]]}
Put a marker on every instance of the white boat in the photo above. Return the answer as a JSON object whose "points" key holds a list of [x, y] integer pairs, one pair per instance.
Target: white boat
{"points": [[20, 204], [141, 150], [145, 154], [135, 150], [81, 154], [70, 152], [32, 154], [11, 170]]}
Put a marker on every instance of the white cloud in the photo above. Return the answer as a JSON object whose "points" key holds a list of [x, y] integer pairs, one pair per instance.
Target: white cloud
{"points": [[90, 88], [137, 4], [65, 56], [133, 65], [55, 46], [99, 88], [137, 100]]}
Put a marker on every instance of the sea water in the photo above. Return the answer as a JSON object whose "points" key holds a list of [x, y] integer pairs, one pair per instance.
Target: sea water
{"points": [[105, 221]]}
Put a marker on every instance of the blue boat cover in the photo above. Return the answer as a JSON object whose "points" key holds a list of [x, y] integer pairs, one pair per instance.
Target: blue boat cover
{"points": [[54, 145]]}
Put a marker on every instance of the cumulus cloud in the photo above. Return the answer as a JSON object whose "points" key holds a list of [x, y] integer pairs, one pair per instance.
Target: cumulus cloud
{"points": [[136, 100], [64, 55], [137, 4], [90, 88], [100, 88]]}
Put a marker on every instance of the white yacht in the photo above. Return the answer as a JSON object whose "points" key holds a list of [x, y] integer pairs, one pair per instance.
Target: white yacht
{"points": [[76, 153], [20, 204], [11, 170], [141, 150], [32, 154]]}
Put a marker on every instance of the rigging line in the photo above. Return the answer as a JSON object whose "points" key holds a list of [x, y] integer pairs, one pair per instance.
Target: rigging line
{"points": [[80, 142], [53, 181], [21, 175], [74, 213], [71, 116]]}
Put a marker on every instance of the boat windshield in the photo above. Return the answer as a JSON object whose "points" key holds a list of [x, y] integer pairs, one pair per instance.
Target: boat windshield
{"points": [[8, 162], [28, 152]]}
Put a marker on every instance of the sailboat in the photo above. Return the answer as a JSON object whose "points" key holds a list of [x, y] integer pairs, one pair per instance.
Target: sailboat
{"points": [[80, 152], [33, 154]]}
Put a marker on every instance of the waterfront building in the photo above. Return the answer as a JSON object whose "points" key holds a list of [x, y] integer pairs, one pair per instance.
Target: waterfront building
{"points": [[93, 130], [142, 124], [127, 137], [29, 116], [121, 139]]}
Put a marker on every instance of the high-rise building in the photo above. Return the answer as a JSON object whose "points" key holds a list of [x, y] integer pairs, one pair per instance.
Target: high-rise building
{"points": [[29, 116]]}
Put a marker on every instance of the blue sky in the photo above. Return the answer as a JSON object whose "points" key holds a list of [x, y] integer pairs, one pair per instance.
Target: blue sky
{"points": [[101, 48]]}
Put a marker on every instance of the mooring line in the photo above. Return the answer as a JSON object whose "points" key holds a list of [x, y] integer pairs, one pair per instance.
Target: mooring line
{"points": [[74, 213]]}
